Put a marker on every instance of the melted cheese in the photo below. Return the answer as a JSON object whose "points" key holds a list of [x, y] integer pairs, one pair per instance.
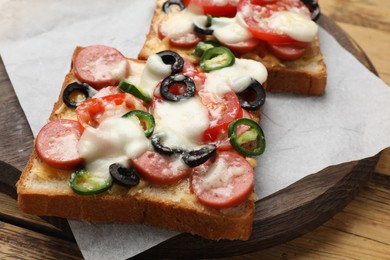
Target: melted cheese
{"points": [[230, 30], [239, 75], [181, 123], [147, 76], [177, 24], [216, 84], [116, 140], [294, 24]]}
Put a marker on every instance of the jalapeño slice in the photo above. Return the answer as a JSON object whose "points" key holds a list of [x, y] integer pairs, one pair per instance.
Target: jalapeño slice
{"points": [[84, 182], [128, 87], [216, 58], [146, 119], [251, 142]]}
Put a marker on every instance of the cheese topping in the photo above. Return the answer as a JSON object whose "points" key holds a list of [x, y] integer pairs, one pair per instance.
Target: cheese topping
{"points": [[177, 24], [216, 84], [230, 30], [239, 75], [147, 76], [294, 24], [115, 140], [182, 123]]}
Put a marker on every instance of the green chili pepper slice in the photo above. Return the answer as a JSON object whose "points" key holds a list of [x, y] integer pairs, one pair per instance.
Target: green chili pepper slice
{"points": [[216, 58], [84, 182], [146, 119], [128, 87], [201, 47], [249, 143]]}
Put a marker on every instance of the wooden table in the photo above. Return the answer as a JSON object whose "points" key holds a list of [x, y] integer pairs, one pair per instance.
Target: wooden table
{"points": [[359, 231]]}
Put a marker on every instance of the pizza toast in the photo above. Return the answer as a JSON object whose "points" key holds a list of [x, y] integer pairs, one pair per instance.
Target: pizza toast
{"points": [[47, 184], [293, 66]]}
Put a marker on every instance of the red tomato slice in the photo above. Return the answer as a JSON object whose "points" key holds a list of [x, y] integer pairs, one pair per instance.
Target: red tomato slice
{"points": [[254, 11], [95, 110], [187, 40], [56, 144], [210, 7], [160, 169], [244, 46], [222, 111], [223, 183], [100, 66], [287, 52]]}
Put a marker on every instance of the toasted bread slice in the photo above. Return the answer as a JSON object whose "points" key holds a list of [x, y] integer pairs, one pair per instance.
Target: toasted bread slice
{"points": [[305, 75], [45, 191]]}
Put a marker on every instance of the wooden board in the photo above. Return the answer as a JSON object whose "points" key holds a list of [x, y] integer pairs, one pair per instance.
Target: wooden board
{"points": [[280, 217]]}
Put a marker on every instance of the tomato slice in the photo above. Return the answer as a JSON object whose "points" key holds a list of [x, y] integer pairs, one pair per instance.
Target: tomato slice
{"points": [[254, 12], [95, 110], [161, 169], [244, 46], [224, 182], [222, 111], [213, 8], [56, 144], [287, 52]]}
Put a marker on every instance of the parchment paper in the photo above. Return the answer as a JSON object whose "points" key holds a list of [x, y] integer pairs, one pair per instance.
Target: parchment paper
{"points": [[304, 134]]}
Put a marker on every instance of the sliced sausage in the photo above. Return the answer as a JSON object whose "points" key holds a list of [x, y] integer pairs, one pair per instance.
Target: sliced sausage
{"points": [[224, 182], [56, 144], [100, 66], [161, 169]]}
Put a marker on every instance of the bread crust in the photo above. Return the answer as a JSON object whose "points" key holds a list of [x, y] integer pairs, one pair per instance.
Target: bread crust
{"points": [[306, 75], [44, 191]]}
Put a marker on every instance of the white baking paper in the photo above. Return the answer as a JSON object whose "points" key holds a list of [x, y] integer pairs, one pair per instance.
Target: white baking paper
{"points": [[304, 134]]}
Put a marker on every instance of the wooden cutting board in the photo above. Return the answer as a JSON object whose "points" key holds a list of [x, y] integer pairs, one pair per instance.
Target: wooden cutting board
{"points": [[279, 217]]}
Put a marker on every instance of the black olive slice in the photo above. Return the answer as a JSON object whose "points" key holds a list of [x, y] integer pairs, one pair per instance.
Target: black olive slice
{"points": [[167, 5], [123, 175], [202, 25], [160, 148], [168, 82], [253, 97], [84, 88], [314, 8], [173, 59], [198, 157]]}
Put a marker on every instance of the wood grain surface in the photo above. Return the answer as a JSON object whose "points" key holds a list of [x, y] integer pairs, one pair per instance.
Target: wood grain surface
{"points": [[359, 231]]}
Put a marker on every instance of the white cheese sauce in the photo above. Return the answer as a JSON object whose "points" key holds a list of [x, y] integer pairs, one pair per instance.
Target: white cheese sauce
{"points": [[115, 140], [181, 123], [230, 30], [239, 75], [177, 24], [148, 76], [294, 24]]}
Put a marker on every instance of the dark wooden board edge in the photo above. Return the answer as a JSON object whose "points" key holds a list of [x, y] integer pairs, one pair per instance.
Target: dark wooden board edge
{"points": [[277, 218]]}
